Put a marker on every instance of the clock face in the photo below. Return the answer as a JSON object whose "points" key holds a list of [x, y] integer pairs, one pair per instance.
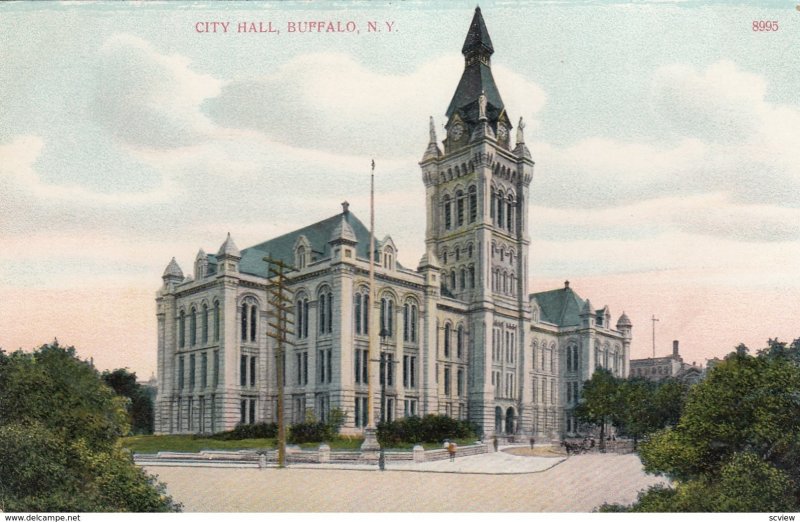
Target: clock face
{"points": [[502, 132], [457, 131]]}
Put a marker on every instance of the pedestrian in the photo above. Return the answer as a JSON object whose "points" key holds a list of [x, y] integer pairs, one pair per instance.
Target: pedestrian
{"points": [[451, 449], [495, 442], [533, 441]]}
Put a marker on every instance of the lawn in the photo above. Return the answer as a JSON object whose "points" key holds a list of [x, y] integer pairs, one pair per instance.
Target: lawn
{"points": [[188, 443], [156, 443]]}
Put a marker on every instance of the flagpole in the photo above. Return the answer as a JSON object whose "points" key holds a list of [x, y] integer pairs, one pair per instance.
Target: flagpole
{"points": [[370, 351]]}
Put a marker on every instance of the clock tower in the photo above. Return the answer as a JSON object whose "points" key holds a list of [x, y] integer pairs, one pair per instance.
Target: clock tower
{"points": [[477, 190]]}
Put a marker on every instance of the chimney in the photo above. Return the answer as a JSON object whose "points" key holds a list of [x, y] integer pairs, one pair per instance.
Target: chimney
{"points": [[675, 349]]}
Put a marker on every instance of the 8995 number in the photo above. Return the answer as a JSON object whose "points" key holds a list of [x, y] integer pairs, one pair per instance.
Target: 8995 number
{"points": [[761, 25]]}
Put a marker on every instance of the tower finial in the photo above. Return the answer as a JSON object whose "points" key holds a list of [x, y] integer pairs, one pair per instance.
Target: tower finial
{"points": [[520, 131], [432, 131]]}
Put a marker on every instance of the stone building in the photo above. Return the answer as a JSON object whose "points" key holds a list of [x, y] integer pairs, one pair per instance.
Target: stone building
{"points": [[462, 335], [672, 366]]}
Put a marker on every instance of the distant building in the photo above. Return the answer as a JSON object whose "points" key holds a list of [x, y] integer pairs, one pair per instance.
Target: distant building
{"points": [[658, 368]]}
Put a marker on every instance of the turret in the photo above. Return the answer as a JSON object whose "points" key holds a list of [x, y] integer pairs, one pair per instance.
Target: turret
{"points": [[343, 239], [587, 315], [228, 257], [172, 275], [200, 265]]}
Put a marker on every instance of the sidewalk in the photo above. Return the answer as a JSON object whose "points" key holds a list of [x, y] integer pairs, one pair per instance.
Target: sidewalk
{"points": [[492, 463]]}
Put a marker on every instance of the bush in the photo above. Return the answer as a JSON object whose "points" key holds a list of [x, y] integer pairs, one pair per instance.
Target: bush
{"points": [[310, 432], [431, 428], [261, 430]]}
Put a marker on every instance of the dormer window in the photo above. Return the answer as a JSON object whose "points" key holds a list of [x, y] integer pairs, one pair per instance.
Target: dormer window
{"points": [[302, 253], [388, 258]]}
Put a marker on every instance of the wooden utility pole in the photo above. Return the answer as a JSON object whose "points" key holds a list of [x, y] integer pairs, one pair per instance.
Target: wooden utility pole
{"points": [[281, 311]]}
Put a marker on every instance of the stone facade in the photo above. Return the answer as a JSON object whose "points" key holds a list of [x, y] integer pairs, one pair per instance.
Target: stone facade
{"points": [[461, 333]]}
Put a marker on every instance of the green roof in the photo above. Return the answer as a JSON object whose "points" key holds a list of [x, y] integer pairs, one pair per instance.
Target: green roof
{"points": [[561, 306], [318, 236]]}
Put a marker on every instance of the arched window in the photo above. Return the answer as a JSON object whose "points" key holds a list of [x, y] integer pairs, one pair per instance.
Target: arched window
{"points": [[330, 313], [460, 207], [253, 322], [469, 251], [444, 257], [387, 313], [301, 318], [509, 213], [447, 215], [447, 340], [453, 280], [182, 329], [460, 341], [216, 320], [357, 312], [552, 358], [472, 276], [244, 322], [534, 349], [301, 257], [193, 327], [500, 209], [492, 211], [388, 258], [473, 204], [406, 322], [463, 275], [205, 323], [414, 317], [321, 314]]}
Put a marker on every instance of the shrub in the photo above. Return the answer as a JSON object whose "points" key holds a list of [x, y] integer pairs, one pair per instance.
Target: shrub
{"points": [[431, 428], [310, 432], [261, 430]]}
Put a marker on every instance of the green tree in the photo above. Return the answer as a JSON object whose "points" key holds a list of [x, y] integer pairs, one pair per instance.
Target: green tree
{"points": [[599, 401], [737, 443], [59, 425], [644, 407], [139, 405]]}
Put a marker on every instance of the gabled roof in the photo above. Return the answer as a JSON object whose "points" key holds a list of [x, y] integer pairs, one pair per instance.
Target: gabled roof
{"points": [[561, 306], [318, 235]]}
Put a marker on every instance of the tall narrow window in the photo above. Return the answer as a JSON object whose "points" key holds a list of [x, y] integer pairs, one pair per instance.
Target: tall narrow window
{"points": [[244, 322], [453, 280], [192, 371], [500, 209], [472, 276], [252, 371], [253, 322], [413, 323], [492, 211], [181, 371], [204, 370], [322, 319], [330, 313], [193, 327], [460, 383], [509, 215], [447, 215], [365, 313], [447, 340], [357, 314], [473, 204], [463, 276], [406, 319], [447, 381], [216, 320], [216, 368], [459, 341], [182, 329], [243, 370], [305, 318], [460, 210], [205, 323]]}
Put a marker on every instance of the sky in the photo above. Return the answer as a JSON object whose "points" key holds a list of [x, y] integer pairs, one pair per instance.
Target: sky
{"points": [[667, 177]]}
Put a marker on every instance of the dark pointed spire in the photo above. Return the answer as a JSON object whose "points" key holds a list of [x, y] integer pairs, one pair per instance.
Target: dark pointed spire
{"points": [[477, 76], [477, 40]]}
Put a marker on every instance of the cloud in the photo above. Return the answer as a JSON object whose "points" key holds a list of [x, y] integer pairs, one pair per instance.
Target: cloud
{"points": [[331, 102], [148, 99]]}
